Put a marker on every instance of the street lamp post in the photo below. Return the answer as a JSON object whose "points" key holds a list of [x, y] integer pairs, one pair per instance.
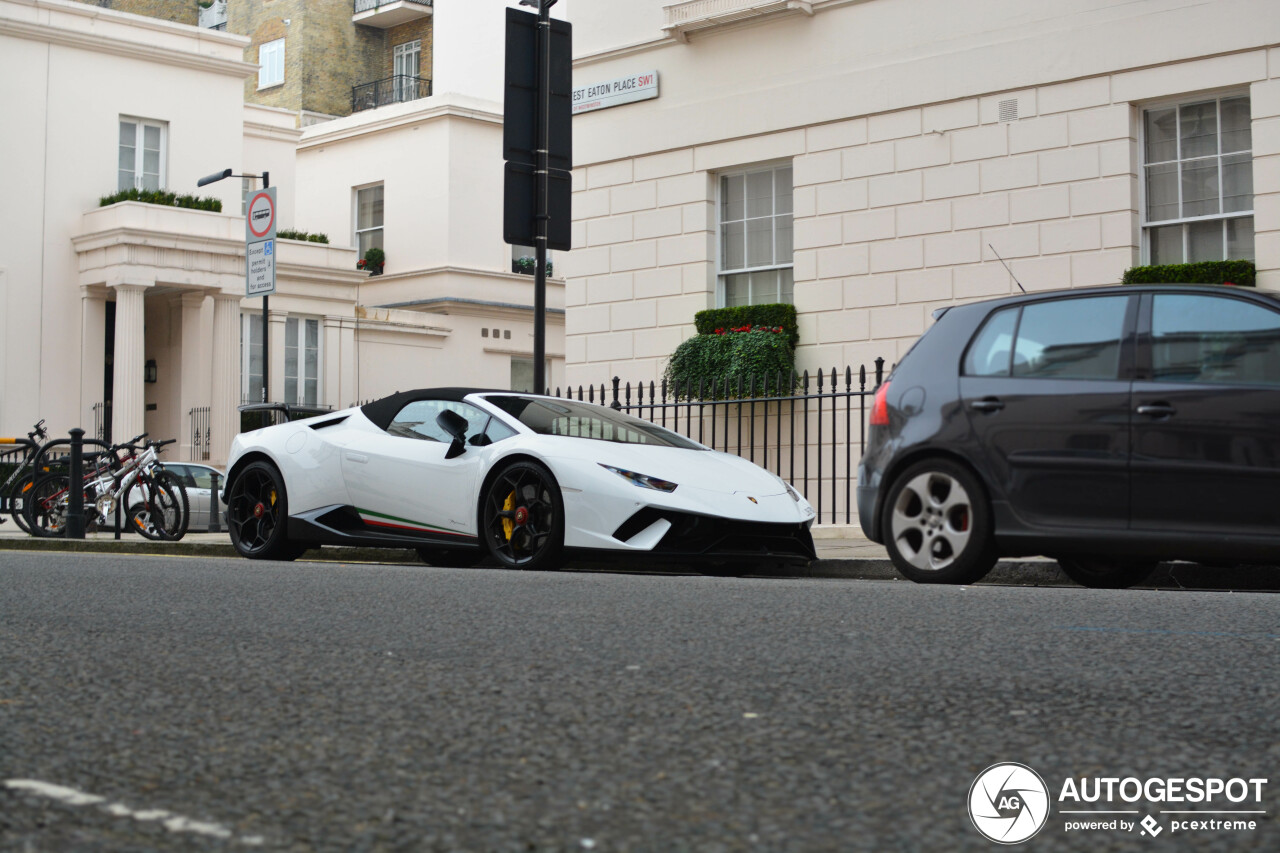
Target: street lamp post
{"points": [[266, 298]]}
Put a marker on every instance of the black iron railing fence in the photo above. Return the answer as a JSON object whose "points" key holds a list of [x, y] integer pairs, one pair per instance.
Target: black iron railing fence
{"points": [[102, 422], [367, 5], [810, 432], [391, 90], [200, 421]]}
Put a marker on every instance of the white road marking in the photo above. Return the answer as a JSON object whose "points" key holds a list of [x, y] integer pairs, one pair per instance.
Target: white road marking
{"points": [[169, 820]]}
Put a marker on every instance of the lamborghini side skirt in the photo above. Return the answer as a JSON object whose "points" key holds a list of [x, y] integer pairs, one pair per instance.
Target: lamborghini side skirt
{"points": [[346, 525]]}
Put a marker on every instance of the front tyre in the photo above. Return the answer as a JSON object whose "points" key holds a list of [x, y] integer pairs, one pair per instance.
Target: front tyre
{"points": [[258, 514], [1106, 573], [522, 517], [937, 524]]}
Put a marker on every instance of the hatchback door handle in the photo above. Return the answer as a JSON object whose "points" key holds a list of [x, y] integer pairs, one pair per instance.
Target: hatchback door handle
{"points": [[987, 404], [1157, 410]]}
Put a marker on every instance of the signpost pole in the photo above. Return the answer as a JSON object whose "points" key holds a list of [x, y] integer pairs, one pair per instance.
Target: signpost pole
{"points": [[266, 311], [543, 205]]}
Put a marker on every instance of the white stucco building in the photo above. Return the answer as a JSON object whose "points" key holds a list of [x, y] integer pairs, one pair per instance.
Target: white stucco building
{"points": [[866, 159], [141, 307]]}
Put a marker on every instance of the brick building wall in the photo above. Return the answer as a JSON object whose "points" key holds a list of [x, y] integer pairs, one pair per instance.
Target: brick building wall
{"points": [[419, 29], [177, 11], [325, 53]]}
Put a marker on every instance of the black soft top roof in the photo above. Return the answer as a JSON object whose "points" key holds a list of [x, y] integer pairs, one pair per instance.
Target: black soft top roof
{"points": [[382, 411]]}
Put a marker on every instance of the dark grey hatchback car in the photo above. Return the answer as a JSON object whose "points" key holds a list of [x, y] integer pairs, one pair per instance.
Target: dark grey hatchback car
{"points": [[1109, 428]]}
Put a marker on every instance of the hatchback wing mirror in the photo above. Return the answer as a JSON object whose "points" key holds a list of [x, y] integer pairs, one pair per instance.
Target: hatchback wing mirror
{"points": [[454, 425]]}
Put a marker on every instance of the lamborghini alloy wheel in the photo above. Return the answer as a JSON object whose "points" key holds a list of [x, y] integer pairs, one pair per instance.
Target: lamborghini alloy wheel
{"points": [[258, 513], [522, 517]]}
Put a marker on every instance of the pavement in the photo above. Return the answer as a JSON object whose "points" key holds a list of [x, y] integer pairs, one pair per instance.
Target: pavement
{"points": [[843, 553]]}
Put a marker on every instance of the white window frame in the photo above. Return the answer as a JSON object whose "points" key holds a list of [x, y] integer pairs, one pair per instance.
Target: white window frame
{"points": [[140, 126], [1144, 224], [406, 90], [249, 322], [298, 322], [271, 64], [355, 218], [721, 272]]}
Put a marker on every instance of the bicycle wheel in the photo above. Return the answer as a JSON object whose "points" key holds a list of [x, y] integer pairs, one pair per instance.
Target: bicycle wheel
{"points": [[158, 507], [18, 500], [46, 505]]}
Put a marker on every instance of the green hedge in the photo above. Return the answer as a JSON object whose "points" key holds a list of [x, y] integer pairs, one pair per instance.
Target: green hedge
{"points": [[708, 361], [162, 197], [305, 236], [1241, 273], [777, 314]]}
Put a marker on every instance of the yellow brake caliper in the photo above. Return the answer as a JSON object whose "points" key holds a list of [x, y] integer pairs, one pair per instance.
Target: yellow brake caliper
{"points": [[509, 524]]}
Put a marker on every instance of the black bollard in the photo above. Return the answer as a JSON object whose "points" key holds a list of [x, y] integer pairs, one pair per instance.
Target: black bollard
{"points": [[215, 524], [74, 528]]}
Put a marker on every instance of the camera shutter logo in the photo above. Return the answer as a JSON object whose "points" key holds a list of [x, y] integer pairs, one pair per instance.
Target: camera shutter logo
{"points": [[1008, 803]]}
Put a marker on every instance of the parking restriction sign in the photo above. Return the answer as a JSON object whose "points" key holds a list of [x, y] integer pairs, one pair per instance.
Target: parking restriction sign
{"points": [[260, 242]]}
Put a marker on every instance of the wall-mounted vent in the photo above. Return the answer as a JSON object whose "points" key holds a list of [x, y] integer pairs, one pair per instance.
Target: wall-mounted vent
{"points": [[1009, 110]]}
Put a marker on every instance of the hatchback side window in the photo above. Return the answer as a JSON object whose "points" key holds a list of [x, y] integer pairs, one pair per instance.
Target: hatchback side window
{"points": [[1213, 339], [1076, 338], [991, 351], [200, 478]]}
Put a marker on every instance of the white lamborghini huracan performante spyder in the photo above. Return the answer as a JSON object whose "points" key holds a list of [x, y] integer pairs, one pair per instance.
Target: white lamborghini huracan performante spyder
{"points": [[463, 475]]}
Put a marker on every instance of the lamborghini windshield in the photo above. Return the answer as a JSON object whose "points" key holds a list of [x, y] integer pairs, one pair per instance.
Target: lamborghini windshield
{"points": [[587, 420]]}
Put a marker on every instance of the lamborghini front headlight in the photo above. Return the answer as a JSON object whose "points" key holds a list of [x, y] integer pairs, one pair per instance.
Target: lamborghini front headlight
{"points": [[644, 481]]}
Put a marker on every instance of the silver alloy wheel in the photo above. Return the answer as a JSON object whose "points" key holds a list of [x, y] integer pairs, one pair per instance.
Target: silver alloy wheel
{"points": [[931, 521]]}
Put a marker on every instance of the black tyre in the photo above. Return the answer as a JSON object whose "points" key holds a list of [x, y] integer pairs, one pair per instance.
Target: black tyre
{"points": [[522, 518], [258, 514], [451, 558], [158, 507], [1105, 572], [46, 505], [937, 524]]}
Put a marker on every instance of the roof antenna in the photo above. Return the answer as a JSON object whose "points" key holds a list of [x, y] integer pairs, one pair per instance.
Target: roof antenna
{"points": [[1006, 266]]}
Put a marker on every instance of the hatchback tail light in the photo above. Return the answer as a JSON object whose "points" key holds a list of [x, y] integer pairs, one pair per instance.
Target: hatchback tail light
{"points": [[880, 408]]}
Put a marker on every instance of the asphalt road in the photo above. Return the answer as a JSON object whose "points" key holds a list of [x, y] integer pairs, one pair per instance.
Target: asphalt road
{"points": [[178, 704]]}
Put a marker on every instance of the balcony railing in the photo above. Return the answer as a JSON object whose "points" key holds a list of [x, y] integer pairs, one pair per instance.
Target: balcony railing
{"points": [[393, 90], [389, 13], [688, 16], [369, 5]]}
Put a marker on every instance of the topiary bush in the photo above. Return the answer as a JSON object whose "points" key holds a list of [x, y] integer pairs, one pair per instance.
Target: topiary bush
{"points": [[711, 366], [305, 236], [162, 197], [769, 316], [1242, 273]]}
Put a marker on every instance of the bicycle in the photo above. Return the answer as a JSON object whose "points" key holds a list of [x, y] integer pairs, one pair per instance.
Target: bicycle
{"points": [[155, 501], [14, 489]]}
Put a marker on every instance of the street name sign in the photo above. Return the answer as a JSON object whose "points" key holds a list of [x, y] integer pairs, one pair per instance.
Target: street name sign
{"points": [[613, 93]]}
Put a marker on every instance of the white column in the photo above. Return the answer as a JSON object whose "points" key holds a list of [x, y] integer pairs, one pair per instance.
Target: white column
{"points": [[128, 408], [277, 321], [192, 362], [93, 333], [224, 417], [331, 363]]}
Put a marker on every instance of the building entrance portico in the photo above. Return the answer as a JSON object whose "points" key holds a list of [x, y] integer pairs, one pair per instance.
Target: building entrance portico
{"points": [[176, 278]]}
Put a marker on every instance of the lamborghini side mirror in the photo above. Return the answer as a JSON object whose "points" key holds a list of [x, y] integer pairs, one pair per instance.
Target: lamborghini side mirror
{"points": [[454, 425]]}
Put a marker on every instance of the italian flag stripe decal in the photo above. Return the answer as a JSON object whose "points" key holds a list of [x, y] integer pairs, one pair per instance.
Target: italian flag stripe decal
{"points": [[378, 519]]}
